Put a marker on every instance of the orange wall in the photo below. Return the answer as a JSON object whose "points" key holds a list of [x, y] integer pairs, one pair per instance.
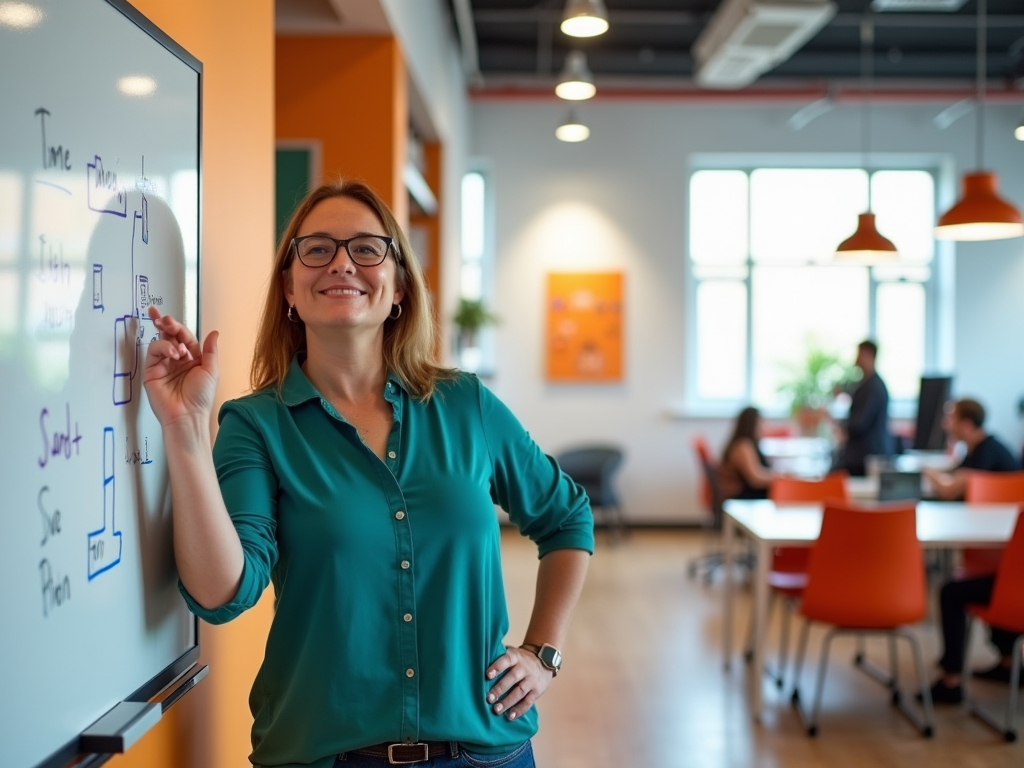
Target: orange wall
{"points": [[349, 93], [235, 41]]}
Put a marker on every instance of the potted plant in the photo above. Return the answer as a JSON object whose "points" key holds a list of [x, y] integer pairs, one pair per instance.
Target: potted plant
{"points": [[812, 386], [470, 316]]}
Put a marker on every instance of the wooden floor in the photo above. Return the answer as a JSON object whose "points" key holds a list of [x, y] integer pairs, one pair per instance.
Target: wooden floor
{"points": [[643, 682]]}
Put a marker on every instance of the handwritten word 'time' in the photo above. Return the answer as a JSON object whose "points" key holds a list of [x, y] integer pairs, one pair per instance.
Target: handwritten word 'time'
{"points": [[56, 590], [64, 443], [53, 156], [51, 522]]}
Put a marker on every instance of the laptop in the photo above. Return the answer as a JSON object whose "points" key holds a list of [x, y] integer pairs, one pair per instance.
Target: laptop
{"points": [[899, 486]]}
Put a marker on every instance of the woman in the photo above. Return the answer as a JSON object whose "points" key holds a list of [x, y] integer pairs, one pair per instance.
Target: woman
{"points": [[743, 472], [360, 478]]}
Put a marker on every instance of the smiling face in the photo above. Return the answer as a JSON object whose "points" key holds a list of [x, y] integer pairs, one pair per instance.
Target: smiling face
{"points": [[342, 295]]}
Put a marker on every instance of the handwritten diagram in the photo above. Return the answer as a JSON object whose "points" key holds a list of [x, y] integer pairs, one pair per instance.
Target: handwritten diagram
{"points": [[105, 543]]}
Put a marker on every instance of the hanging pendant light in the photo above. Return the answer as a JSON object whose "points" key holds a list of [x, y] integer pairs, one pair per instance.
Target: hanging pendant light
{"points": [[866, 245], [576, 83], [980, 214], [572, 129], [585, 18], [1018, 132]]}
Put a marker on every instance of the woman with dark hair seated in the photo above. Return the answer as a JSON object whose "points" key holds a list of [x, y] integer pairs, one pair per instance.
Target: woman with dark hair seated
{"points": [[743, 472]]}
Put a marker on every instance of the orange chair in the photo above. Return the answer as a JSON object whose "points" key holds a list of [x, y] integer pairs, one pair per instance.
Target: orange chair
{"points": [[787, 576], [866, 574], [1006, 611], [989, 488]]}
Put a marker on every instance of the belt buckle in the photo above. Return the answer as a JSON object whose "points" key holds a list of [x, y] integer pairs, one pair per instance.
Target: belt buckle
{"points": [[425, 758]]}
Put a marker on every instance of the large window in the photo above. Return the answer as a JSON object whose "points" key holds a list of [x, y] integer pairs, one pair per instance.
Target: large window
{"points": [[768, 289]]}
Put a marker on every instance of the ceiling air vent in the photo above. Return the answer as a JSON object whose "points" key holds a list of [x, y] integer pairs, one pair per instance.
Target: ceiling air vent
{"points": [[746, 38]]}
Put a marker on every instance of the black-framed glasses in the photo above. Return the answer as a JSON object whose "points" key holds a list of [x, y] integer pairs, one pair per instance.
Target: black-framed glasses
{"points": [[320, 250]]}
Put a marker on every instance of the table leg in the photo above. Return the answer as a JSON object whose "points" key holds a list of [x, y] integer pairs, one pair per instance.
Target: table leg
{"points": [[728, 537], [760, 597]]}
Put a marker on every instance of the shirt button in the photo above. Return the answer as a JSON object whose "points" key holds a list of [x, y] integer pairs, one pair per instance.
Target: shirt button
{"points": [[408, 617], [410, 673], [391, 454], [405, 565], [399, 515]]}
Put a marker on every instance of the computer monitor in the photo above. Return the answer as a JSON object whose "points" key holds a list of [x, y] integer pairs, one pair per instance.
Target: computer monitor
{"points": [[928, 434]]}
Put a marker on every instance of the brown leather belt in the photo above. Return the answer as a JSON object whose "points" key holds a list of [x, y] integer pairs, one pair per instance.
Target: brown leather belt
{"points": [[407, 754]]}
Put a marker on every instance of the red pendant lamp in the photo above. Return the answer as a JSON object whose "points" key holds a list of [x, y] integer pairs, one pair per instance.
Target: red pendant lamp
{"points": [[866, 245], [980, 214]]}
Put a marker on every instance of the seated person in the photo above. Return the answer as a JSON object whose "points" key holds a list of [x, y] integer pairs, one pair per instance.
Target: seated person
{"points": [[953, 600], [743, 471], [963, 421]]}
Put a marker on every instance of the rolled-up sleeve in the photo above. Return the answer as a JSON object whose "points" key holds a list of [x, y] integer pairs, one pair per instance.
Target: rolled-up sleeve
{"points": [[249, 487], [543, 502]]}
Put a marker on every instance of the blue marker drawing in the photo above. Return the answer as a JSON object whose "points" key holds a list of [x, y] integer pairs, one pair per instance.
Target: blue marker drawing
{"points": [[133, 331], [115, 197], [97, 287], [105, 544], [55, 186]]}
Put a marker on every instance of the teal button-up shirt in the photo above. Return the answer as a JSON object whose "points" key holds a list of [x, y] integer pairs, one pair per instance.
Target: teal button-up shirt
{"points": [[387, 574]]}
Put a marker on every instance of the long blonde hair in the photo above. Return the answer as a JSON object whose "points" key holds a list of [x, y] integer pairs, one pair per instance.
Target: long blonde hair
{"points": [[410, 341]]}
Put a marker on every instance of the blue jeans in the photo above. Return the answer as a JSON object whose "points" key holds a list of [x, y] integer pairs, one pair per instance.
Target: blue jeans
{"points": [[520, 757]]}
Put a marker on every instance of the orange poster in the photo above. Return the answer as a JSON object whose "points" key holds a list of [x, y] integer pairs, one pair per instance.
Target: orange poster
{"points": [[584, 326]]}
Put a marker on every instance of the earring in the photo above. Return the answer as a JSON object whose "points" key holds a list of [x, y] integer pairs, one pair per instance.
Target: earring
{"points": [[293, 315], [393, 316]]}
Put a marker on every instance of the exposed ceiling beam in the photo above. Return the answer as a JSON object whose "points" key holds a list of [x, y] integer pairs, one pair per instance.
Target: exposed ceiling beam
{"points": [[684, 18], [467, 40]]}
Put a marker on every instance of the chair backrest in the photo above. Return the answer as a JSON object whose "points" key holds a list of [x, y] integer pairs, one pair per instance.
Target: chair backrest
{"points": [[866, 569], [1006, 608], [711, 493], [704, 460], [795, 490], [593, 467], [995, 487]]}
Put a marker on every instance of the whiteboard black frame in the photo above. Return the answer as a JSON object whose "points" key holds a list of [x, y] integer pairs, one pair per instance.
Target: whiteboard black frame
{"points": [[70, 751]]}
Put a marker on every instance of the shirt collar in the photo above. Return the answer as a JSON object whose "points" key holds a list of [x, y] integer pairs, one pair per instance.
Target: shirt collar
{"points": [[298, 389]]}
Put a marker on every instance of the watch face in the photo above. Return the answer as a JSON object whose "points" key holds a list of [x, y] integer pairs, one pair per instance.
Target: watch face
{"points": [[551, 657]]}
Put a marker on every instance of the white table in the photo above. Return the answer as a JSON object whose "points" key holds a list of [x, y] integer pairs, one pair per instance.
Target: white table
{"points": [[940, 525]]}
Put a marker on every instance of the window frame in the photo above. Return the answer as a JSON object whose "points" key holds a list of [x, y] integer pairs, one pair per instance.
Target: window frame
{"points": [[934, 294]]}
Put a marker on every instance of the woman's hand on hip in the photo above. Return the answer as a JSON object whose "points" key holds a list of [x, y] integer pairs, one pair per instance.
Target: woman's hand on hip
{"points": [[525, 681], [180, 376]]}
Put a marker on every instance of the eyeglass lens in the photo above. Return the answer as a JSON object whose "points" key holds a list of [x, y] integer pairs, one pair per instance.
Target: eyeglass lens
{"points": [[366, 251]]}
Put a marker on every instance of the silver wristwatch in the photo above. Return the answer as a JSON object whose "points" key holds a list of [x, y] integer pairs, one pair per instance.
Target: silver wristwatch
{"points": [[549, 656]]}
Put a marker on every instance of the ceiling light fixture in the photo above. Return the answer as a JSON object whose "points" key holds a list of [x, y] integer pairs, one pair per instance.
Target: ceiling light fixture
{"points": [[866, 245], [1018, 132], [980, 214], [572, 129], [576, 83], [585, 18]]}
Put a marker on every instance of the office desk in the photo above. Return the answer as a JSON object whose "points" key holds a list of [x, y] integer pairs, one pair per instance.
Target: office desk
{"points": [[940, 525]]}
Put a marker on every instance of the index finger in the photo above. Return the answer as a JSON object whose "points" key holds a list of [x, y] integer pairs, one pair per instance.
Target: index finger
{"points": [[171, 328]]}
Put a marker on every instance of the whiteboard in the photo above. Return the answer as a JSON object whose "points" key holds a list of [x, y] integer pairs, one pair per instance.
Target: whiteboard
{"points": [[99, 218]]}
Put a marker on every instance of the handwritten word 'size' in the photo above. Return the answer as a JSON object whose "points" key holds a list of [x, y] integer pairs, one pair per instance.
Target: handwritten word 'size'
{"points": [[63, 443]]}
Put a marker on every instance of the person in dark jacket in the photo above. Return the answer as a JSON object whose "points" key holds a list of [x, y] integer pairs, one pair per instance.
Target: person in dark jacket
{"points": [[867, 428]]}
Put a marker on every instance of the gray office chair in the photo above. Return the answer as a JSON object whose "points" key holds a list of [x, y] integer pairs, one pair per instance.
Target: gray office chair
{"points": [[594, 467]]}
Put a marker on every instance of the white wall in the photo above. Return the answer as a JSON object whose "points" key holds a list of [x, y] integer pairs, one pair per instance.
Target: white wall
{"points": [[618, 201]]}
